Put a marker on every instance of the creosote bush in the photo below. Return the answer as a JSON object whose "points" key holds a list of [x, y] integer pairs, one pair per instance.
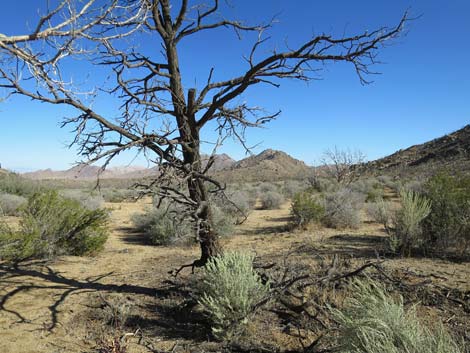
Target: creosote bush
{"points": [[448, 223], [228, 292], [52, 225], [271, 200], [372, 321], [306, 209], [342, 209], [408, 222]]}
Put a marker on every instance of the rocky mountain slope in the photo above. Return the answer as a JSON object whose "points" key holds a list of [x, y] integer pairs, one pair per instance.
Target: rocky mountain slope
{"points": [[450, 152], [269, 165]]}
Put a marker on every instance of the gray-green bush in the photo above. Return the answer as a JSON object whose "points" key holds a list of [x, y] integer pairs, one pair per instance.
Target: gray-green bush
{"points": [[87, 199], [342, 209], [380, 212], [229, 290], [10, 204], [271, 200], [162, 226], [52, 225], [373, 322]]}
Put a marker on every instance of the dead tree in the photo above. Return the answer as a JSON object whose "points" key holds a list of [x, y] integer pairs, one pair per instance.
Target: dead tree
{"points": [[342, 165], [155, 113]]}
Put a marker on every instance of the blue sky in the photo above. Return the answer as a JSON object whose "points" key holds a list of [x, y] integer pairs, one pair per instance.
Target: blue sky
{"points": [[423, 90]]}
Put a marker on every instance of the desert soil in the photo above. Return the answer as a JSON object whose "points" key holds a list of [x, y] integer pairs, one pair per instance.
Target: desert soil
{"points": [[57, 306]]}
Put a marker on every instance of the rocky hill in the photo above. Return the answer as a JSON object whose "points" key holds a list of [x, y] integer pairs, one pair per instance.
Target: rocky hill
{"points": [[450, 152], [269, 165]]}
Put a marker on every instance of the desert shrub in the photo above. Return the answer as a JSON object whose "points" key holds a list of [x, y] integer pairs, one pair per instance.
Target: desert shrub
{"points": [[118, 195], [271, 200], [323, 185], [380, 212], [306, 208], [162, 226], [371, 188], [87, 199], [408, 222], [416, 186], [236, 204], [373, 322], [52, 225], [116, 310], [448, 223], [266, 187], [228, 292], [342, 209], [223, 222], [10, 204], [292, 188], [11, 183], [386, 180]]}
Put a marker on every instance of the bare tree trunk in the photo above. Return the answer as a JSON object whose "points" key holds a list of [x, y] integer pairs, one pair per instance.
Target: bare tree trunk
{"points": [[207, 236]]}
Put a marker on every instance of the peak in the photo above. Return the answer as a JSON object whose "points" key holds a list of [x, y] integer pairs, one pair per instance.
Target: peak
{"points": [[271, 152]]}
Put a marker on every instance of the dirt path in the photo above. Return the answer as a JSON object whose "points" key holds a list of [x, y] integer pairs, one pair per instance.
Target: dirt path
{"points": [[49, 306]]}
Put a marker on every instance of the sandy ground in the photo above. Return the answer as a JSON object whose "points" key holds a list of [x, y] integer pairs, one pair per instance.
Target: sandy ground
{"points": [[49, 306]]}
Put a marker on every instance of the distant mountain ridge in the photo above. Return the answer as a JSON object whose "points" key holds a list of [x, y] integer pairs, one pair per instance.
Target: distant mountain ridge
{"points": [[449, 152], [268, 165]]}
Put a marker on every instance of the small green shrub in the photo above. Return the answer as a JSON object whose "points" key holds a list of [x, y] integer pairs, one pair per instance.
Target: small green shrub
{"points": [[342, 209], [373, 322], [408, 221], [271, 200], [305, 209], [448, 224], [228, 292], [52, 225], [10, 204]]}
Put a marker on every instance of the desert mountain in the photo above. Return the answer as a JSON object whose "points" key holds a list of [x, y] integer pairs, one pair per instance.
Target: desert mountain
{"points": [[269, 165], [450, 152], [221, 161], [88, 172]]}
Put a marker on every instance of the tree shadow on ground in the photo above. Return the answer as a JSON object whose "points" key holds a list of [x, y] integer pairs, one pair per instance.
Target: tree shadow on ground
{"points": [[21, 278], [284, 225], [357, 246], [132, 236], [167, 310]]}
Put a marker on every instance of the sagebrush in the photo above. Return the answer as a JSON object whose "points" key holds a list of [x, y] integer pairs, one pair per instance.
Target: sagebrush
{"points": [[373, 321], [229, 290]]}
